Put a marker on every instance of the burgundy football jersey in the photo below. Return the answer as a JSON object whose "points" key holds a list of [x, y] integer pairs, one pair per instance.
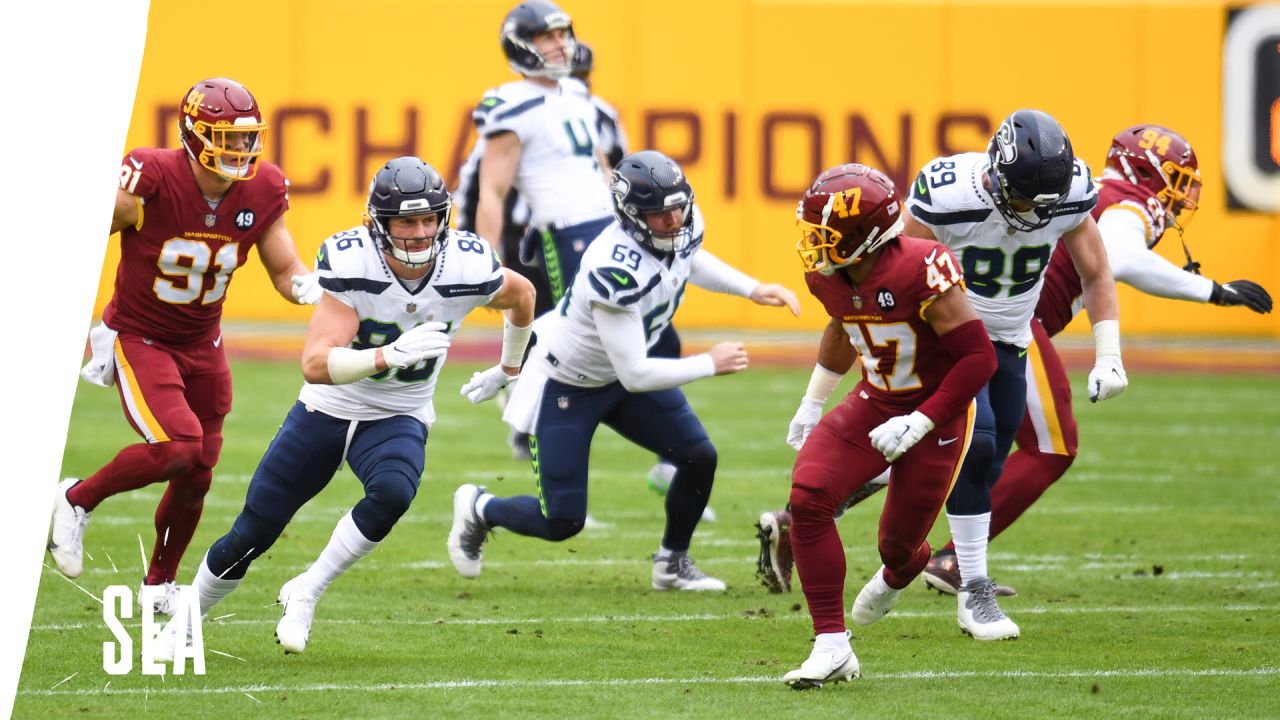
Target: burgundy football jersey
{"points": [[1062, 284], [903, 362], [176, 264]]}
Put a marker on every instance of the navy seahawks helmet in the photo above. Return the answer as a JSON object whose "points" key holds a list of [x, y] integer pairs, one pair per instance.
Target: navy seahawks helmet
{"points": [[648, 182], [406, 187], [518, 30], [1032, 165]]}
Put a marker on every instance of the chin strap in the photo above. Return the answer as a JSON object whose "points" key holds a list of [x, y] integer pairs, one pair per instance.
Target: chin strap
{"points": [[1192, 266]]}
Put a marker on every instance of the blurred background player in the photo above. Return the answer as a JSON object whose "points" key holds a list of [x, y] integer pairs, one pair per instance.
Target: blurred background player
{"points": [[396, 289], [187, 218], [897, 305], [1151, 183], [589, 366], [1003, 213], [539, 136]]}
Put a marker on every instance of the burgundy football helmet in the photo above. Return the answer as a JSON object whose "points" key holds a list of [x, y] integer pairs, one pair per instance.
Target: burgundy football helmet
{"points": [[849, 211], [221, 127], [1161, 160]]}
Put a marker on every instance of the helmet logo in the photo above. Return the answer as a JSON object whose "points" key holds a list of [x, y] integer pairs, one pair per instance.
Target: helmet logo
{"points": [[1006, 148], [845, 203]]}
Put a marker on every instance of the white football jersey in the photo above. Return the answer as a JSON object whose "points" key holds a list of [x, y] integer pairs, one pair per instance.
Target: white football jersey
{"points": [[354, 270], [559, 174], [618, 272], [1003, 268]]}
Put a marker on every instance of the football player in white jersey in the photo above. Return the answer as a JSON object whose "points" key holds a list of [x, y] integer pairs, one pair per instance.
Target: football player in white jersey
{"points": [[396, 289], [540, 138], [589, 366], [1002, 213]]}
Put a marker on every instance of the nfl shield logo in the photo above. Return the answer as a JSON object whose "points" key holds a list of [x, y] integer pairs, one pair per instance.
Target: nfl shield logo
{"points": [[562, 402], [210, 220], [411, 308], [857, 301]]}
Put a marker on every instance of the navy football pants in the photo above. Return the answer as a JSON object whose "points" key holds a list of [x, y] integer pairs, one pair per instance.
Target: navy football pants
{"points": [[387, 456], [1001, 405], [661, 422]]}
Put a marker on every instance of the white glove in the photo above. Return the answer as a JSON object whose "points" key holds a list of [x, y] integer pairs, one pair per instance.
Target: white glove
{"points": [[1107, 379], [428, 340], [101, 368], [306, 289], [806, 419], [895, 436], [486, 384]]}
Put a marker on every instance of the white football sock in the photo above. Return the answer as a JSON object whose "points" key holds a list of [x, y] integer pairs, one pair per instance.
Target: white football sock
{"points": [[969, 533], [210, 588], [481, 502], [346, 546]]}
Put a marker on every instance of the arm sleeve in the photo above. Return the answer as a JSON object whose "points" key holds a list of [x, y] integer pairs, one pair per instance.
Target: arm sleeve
{"points": [[623, 338], [1124, 236], [975, 363], [711, 273]]}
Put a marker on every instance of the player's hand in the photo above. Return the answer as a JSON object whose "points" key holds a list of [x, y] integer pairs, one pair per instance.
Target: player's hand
{"points": [[729, 357], [485, 385], [306, 289], [1242, 292], [421, 343], [1107, 379], [895, 436], [805, 420], [777, 296]]}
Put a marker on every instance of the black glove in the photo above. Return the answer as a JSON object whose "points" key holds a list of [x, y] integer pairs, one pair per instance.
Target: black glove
{"points": [[1241, 292]]}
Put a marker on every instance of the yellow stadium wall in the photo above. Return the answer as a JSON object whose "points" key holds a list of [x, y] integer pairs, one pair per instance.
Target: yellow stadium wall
{"points": [[753, 96]]}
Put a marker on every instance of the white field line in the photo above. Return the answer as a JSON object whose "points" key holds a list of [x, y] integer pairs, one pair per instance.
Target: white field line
{"points": [[625, 682], [948, 612]]}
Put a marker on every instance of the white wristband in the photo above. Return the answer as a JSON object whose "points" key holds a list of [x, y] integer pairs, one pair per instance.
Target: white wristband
{"points": [[822, 383], [347, 365], [1106, 338], [515, 340]]}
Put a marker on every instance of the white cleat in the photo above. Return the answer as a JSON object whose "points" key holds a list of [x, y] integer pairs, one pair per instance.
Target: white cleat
{"points": [[825, 665], [979, 615], [166, 599], [677, 572], [66, 541], [294, 628], [469, 531], [875, 600], [165, 646]]}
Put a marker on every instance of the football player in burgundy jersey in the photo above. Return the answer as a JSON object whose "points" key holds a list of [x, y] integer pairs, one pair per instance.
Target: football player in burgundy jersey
{"points": [[187, 218], [1151, 182], [897, 306]]}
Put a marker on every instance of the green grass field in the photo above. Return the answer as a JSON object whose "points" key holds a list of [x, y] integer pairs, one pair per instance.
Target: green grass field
{"points": [[1147, 582]]}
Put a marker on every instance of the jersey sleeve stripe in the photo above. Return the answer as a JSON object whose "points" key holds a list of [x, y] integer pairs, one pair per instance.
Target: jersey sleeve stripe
{"points": [[635, 297], [339, 285], [949, 218], [521, 108], [1076, 208], [485, 288]]}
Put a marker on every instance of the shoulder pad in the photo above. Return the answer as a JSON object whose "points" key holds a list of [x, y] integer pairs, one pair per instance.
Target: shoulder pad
{"points": [[617, 286], [469, 266]]}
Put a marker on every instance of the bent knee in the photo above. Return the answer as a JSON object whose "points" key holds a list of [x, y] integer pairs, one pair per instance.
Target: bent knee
{"points": [[563, 529], [177, 457]]}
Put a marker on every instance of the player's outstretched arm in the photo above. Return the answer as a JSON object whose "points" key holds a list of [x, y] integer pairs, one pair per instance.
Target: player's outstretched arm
{"points": [[711, 273], [622, 334], [1107, 379], [280, 257], [516, 298], [835, 357]]}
